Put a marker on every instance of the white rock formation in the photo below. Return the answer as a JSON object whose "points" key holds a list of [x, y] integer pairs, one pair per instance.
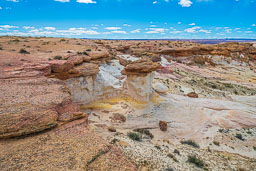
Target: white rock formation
{"points": [[110, 82], [160, 87], [139, 87]]}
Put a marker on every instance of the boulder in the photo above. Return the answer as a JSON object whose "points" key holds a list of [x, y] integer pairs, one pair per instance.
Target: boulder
{"points": [[88, 69], [118, 117], [163, 125], [76, 59], [112, 129], [141, 66], [199, 60], [59, 66], [98, 54], [87, 58], [156, 58], [68, 111], [160, 87], [124, 62], [192, 95]]}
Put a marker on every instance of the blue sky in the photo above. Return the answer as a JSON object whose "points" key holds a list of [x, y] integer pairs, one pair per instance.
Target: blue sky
{"points": [[135, 19]]}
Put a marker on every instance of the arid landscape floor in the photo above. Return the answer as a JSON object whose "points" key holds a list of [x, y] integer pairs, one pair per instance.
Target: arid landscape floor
{"points": [[78, 104]]}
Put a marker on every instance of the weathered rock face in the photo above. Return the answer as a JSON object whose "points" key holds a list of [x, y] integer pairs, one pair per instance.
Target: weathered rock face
{"points": [[25, 70], [88, 69], [98, 54], [77, 59], [28, 105], [142, 66], [107, 81], [233, 50], [26, 120], [139, 87], [96, 82], [139, 79], [60, 66]]}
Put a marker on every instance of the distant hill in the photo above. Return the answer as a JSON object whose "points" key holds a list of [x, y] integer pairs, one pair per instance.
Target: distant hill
{"points": [[203, 41]]}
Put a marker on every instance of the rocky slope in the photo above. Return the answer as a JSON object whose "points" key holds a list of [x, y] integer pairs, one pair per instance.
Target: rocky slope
{"points": [[97, 105]]}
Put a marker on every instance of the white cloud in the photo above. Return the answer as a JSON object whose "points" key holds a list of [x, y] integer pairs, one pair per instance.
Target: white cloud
{"points": [[253, 25], [34, 30], [1, 8], [155, 2], [135, 31], [113, 28], [176, 32], [119, 31], [77, 31], [126, 25], [185, 3], [90, 32], [107, 33], [156, 30], [179, 22], [49, 28], [74, 29], [192, 24], [205, 31], [8, 26], [13, 0], [86, 1], [28, 27], [228, 30], [192, 29], [62, 0]]}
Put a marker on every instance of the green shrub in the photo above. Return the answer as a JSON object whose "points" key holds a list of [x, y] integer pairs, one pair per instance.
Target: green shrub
{"points": [[85, 53], [144, 131], [172, 156], [158, 147], [134, 136], [113, 141], [88, 50], [62, 40], [15, 40], [57, 57], [193, 159], [23, 51], [176, 151], [191, 143], [239, 136], [1, 48], [216, 143]]}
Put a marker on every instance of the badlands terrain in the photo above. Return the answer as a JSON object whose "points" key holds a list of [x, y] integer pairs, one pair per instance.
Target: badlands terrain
{"points": [[78, 104]]}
